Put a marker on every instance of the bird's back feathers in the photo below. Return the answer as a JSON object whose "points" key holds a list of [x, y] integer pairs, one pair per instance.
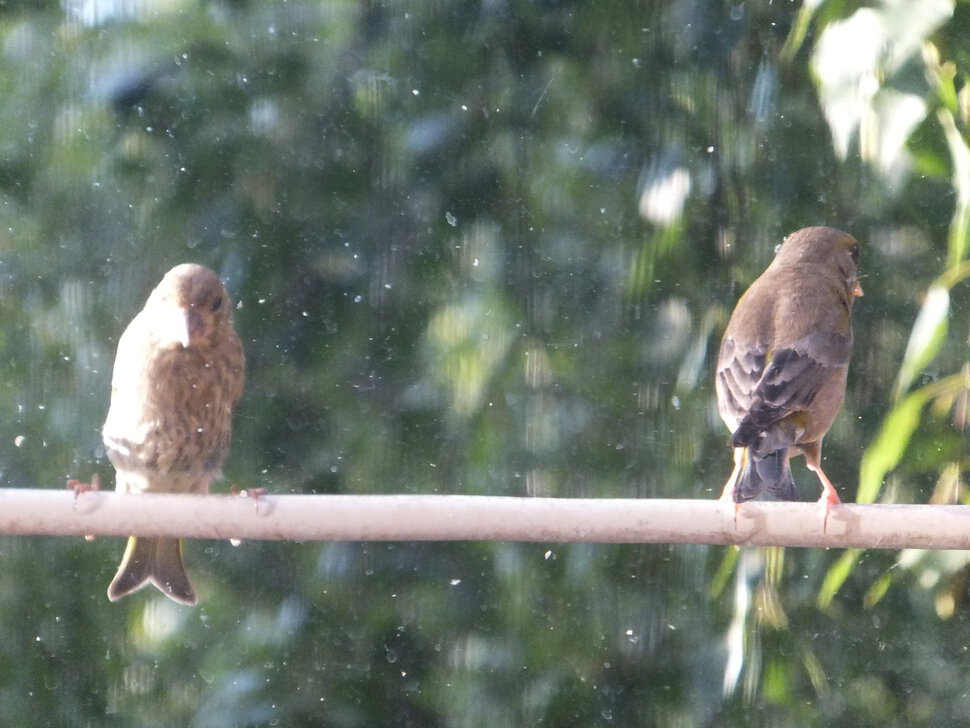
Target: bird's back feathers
{"points": [[784, 357]]}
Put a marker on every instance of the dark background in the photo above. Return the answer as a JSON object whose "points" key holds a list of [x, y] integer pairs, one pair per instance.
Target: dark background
{"points": [[483, 248]]}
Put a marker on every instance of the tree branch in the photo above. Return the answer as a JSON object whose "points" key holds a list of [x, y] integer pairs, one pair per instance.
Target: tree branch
{"points": [[482, 518]]}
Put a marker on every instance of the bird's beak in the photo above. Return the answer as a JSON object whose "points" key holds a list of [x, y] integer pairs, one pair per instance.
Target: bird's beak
{"points": [[193, 326], [857, 289], [181, 326]]}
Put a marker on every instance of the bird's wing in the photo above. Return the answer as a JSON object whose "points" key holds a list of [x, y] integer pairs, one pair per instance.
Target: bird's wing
{"points": [[794, 375], [739, 369]]}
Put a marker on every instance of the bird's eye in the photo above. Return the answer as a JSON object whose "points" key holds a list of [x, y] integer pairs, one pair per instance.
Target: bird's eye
{"points": [[217, 304], [854, 252]]}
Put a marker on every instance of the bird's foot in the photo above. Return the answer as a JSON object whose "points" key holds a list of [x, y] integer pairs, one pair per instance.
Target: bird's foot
{"points": [[727, 494], [247, 492], [727, 497], [254, 493], [79, 486], [828, 499], [830, 496]]}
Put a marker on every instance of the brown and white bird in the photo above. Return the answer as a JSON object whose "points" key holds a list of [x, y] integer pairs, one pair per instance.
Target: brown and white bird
{"points": [[781, 370], [178, 374]]}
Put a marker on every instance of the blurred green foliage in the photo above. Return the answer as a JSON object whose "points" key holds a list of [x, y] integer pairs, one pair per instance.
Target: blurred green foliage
{"points": [[484, 248]]}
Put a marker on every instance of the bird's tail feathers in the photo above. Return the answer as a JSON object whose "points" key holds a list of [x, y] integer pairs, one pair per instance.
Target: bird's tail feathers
{"points": [[747, 433], [770, 473], [156, 561]]}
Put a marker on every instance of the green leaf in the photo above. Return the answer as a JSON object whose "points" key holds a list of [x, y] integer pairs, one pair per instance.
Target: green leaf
{"points": [[960, 155], [836, 576], [878, 589], [928, 334], [884, 454], [724, 571]]}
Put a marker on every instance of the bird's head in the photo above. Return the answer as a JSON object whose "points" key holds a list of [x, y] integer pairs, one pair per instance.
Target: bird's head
{"points": [[822, 246], [190, 307]]}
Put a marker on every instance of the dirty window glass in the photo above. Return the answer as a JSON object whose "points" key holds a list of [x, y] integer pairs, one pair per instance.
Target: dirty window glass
{"points": [[484, 249]]}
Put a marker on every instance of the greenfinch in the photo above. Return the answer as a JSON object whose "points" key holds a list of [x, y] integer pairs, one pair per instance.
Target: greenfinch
{"points": [[178, 374], [781, 370]]}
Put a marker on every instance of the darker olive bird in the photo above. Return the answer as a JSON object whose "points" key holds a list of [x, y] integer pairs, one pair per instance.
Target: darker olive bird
{"points": [[177, 376], [781, 370]]}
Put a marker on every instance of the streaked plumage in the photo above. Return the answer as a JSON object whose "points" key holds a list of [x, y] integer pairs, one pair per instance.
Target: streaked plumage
{"points": [[178, 374]]}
